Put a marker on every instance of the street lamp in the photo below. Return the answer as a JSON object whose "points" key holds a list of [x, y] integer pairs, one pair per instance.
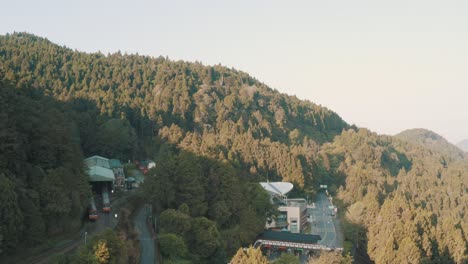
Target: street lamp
{"points": [[115, 219]]}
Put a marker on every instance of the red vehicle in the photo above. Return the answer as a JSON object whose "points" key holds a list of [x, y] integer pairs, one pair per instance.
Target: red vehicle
{"points": [[105, 200], [92, 212]]}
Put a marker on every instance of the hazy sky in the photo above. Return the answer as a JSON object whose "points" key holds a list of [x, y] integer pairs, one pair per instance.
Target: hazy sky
{"points": [[385, 65]]}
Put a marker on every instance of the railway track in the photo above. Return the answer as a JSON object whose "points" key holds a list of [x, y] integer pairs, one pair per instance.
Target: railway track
{"points": [[105, 220]]}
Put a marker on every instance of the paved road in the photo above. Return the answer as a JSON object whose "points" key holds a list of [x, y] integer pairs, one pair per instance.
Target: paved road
{"points": [[105, 220], [323, 223], [146, 238]]}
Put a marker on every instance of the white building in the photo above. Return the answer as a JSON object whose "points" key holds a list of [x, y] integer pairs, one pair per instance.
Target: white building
{"points": [[295, 213], [292, 212]]}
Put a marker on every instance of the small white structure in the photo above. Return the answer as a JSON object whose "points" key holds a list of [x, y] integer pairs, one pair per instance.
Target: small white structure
{"points": [[151, 164]]}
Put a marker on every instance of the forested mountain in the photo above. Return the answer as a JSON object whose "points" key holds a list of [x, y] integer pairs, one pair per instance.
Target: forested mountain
{"points": [[411, 202], [463, 145], [215, 111], [432, 141], [215, 131]]}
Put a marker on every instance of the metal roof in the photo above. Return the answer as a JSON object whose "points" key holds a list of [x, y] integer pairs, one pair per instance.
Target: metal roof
{"points": [[278, 188], [130, 179], [100, 174], [115, 163], [290, 237], [97, 161]]}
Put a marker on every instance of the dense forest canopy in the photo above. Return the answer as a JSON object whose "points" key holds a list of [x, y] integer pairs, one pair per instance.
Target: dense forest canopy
{"points": [[206, 205], [43, 186], [215, 111], [219, 131], [410, 200]]}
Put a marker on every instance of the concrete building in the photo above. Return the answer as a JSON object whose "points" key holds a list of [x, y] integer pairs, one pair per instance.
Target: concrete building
{"points": [[292, 212], [295, 212], [292, 216], [97, 161]]}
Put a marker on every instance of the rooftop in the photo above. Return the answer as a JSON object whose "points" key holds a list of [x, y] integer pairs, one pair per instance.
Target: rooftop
{"points": [[100, 174], [97, 161], [296, 202], [290, 237], [277, 188], [115, 163]]}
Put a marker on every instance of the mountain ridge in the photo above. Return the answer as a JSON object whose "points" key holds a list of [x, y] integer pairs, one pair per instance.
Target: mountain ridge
{"points": [[432, 141], [190, 99]]}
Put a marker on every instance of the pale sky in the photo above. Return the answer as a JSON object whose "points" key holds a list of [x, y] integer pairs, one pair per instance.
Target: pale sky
{"points": [[385, 65]]}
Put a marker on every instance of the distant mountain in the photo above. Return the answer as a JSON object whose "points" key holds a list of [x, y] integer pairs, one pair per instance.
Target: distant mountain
{"points": [[463, 145], [432, 141]]}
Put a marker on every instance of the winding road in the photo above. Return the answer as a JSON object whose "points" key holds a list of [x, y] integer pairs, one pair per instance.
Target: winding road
{"points": [[146, 238], [323, 223]]}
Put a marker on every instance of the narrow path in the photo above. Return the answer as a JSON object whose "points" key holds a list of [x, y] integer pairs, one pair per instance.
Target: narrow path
{"points": [[146, 239]]}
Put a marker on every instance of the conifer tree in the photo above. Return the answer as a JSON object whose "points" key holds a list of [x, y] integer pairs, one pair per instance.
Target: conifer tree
{"points": [[101, 252]]}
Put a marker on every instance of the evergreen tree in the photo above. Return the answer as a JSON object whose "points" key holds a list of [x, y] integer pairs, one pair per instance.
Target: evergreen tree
{"points": [[249, 255], [101, 252]]}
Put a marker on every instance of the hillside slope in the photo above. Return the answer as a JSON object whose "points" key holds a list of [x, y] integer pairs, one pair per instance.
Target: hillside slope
{"points": [[219, 129], [432, 141], [463, 145], [213, 110], [404, 202]]}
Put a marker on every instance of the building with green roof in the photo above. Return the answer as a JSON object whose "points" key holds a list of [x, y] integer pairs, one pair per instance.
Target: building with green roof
{"points": [[100, 174], [97, 161], [115, 163], [99, 169]]}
